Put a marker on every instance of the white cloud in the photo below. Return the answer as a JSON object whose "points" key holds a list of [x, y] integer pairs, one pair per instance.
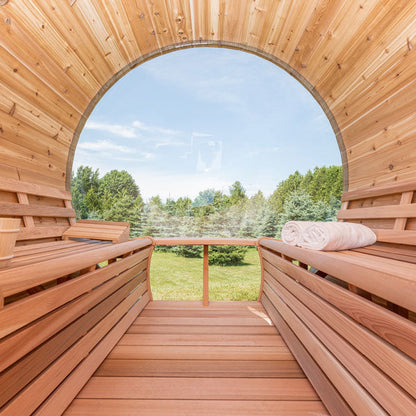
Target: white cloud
{"points": [[169, 142], [105, 145], [117, 129], [198, 134], [155, 129]]}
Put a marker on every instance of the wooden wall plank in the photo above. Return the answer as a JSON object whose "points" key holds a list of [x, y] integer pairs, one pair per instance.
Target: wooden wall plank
{"points": [[57, 58]]}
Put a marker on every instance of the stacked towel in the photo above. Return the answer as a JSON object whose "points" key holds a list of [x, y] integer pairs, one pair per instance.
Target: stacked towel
{"points": [[327, 236], [292, 232]]}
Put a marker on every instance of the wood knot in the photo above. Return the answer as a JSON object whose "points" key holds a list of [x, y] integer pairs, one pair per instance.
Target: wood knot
{"points": [[3, 2], [391, 166]]}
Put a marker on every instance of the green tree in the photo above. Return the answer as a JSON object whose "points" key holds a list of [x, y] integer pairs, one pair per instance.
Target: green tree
{"points": [[299, 206], [284, 189], [324, 183], [118, 182], [237, 193], [126, 209], [183, 206], [84, 182], [269, 224]]}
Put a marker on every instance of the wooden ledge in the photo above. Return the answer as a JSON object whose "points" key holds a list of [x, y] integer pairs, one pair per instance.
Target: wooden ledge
{"points": [[117, 232], [205, 241]]}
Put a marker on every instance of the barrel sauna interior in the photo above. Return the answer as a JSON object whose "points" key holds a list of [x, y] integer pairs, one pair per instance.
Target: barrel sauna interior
{"points": [[332, 333]]}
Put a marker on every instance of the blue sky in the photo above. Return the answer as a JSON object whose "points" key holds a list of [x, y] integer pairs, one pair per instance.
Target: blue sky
{"points": [[203, 118]]}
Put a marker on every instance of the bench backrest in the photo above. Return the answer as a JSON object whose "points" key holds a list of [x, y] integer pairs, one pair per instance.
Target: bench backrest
{"points": [[390, 210], [45, 212]]}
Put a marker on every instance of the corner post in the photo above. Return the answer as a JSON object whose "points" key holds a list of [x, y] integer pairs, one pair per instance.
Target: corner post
{"points": [[205, 283]]}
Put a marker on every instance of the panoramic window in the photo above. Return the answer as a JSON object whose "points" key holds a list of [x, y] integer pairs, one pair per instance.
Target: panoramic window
{"points": [[207, 142]]}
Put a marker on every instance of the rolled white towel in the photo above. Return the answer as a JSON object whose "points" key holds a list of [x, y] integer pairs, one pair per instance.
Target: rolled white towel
{"points": [[292, 231], [335, 236]]}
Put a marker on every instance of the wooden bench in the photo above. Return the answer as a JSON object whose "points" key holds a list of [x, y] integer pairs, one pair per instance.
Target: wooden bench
{"points": [[64, 305], [359, 355], [117, 232]]}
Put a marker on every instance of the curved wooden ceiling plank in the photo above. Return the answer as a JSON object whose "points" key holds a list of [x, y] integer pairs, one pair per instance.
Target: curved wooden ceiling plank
{"points": [[315, 32], [31, 18], [27, 51], [376, 53], [340, 32], [121, 27], [27, 85], [82, 59], [24, 111], [94, 18]]}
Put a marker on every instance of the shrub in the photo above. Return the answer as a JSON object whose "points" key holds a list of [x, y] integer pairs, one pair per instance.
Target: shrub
{"points": [[226, 255], [188, 251]]}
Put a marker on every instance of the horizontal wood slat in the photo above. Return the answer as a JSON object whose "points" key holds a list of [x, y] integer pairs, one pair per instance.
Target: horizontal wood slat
{"points": [[35, 233], [111, 407], [12, 185], [396, 236], [96, 230], [388, 189], [206, 388], [35, 210], [388, 211], [200, 368]]}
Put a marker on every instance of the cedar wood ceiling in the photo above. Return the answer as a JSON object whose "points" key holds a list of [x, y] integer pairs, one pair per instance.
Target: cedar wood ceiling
{"points": [[357, 58]]}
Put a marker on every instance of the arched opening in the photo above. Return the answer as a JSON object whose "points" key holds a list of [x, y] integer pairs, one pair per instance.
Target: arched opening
{"points": [[221, 44], [183, 227]]}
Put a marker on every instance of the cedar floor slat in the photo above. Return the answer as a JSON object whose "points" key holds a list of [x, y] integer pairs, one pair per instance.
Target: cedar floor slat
{"points": [[87, 407], [241, 340], [179, 358], [202, 329], [200, 368]]}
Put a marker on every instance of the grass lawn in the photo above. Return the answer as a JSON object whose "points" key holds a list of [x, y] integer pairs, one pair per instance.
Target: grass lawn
{"points": [[179, 278]]}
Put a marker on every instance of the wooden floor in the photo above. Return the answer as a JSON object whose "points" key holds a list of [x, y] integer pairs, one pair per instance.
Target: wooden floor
{"points": [[179, 358]]}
